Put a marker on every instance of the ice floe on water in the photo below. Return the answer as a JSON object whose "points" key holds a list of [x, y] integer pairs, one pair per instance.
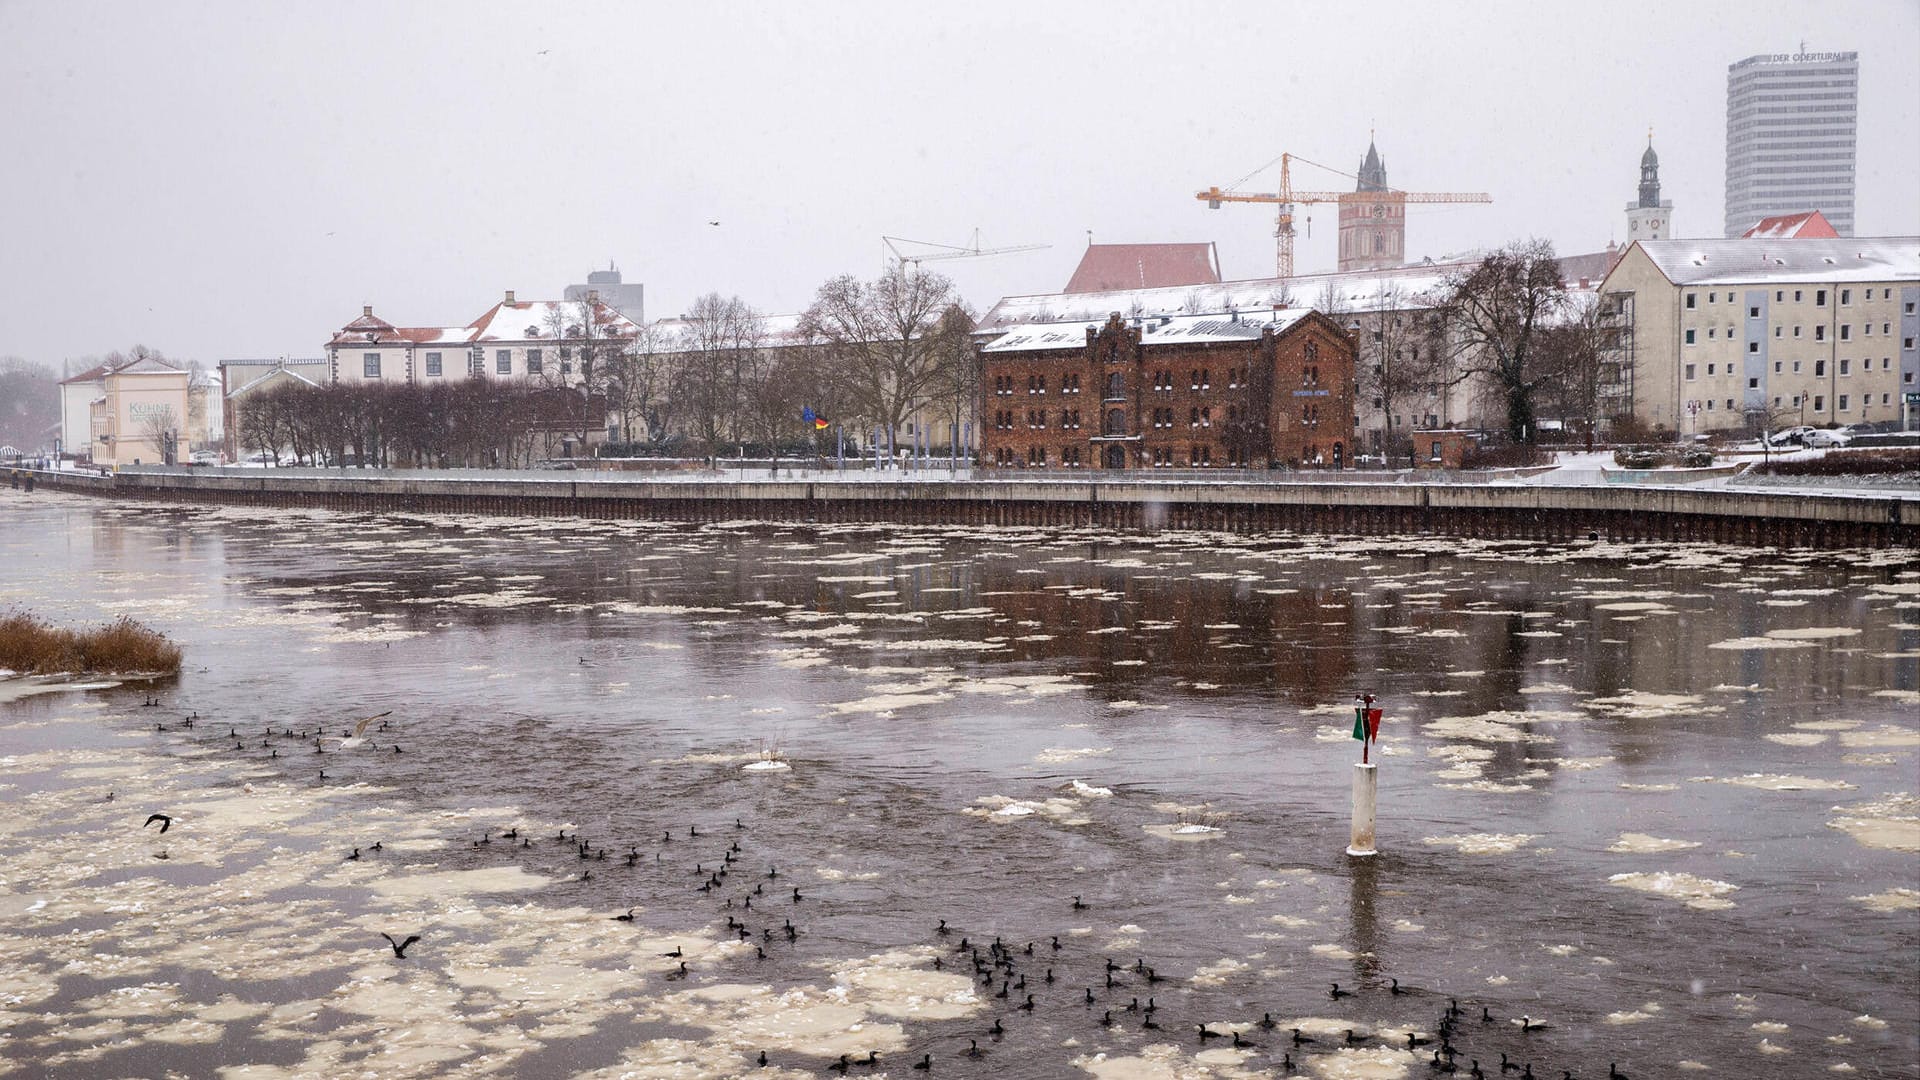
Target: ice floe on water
{"points": [[1633, 843], [1191, 830], [1776, 782], [1643, 705], [1891, 822], [1483, 843], [1498, 727], [1696, 892]]}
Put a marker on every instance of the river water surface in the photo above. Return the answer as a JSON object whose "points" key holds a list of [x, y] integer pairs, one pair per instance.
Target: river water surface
{"points": [[1659, 799]]}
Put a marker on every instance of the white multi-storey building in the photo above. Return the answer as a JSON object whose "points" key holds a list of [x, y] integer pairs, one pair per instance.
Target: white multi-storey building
{"points": [[529, 339], [1754, 334], [1791, 124]]}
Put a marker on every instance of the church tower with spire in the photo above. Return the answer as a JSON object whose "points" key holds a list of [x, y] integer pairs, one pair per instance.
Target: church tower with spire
{"points": [[1648, 218], [1373, 221]]}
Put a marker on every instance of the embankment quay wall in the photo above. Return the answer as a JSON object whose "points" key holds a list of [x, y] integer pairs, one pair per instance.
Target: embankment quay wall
{"points": [[1484, 511]]}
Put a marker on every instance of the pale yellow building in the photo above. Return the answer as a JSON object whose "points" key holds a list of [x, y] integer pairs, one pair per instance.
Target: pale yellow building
{"points": [[142, 415], [1719, 335]]}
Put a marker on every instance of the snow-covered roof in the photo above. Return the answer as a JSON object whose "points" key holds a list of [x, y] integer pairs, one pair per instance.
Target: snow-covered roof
{"points": [[1741, 261], [1355, 291], [779, 330], [249, 386], [534, 320], [1162, 330]]}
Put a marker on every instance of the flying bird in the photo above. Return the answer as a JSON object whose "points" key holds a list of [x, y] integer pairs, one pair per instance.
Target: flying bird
{"points": [[165, 822], [400, 947], [713, 223]]}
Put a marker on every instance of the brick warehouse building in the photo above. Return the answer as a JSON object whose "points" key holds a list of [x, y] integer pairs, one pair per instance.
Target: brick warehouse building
{"points": [[1170, 391]]}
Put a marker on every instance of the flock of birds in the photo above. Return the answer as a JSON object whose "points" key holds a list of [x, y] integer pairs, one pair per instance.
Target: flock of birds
{"points": [[1015, 976]]}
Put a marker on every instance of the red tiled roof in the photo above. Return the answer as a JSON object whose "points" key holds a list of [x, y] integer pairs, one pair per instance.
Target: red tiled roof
{"points": [[1806, 225], [1107, 267], [92, 374]]}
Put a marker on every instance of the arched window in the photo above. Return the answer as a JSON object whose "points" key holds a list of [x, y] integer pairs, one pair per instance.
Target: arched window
{"points": [[1116, 385]]}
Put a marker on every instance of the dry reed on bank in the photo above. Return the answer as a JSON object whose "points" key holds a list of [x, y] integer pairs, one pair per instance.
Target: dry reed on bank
{"points": [[32, 647]]}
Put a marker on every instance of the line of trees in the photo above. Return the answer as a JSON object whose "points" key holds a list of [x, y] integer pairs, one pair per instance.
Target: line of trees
{"points": [[480, 423], [865, 355]]}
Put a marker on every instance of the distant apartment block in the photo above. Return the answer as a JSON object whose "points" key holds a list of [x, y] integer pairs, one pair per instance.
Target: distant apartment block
{"points": [[1717, 335], [1791, 128], [627, 298]]}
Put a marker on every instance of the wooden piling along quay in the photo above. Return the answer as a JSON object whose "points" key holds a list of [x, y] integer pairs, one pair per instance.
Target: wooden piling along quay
{"points": [[1479, 511]]}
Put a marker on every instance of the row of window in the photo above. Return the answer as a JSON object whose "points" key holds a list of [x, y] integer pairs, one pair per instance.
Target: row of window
{"points": [[1197, 417], [1036, 457], [1799, 296], [502, 360], [1036, 384], [1843, 367], [1819, 334], [1003, 419]]}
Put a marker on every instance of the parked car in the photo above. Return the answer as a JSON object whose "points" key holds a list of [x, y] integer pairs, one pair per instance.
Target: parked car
{"points": [[203, 457], [1821, 438], [1792, 436]]}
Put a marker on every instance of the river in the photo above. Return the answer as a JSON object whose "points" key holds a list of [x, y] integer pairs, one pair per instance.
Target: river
{"points": [[1658, 799]]}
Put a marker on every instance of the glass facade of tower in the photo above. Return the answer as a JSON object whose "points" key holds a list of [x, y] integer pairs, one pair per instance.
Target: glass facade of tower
{"points": [[1791, 123]]}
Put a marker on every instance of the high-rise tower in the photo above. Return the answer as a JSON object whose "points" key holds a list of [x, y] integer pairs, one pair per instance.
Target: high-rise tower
{"points": [[1373, 228], [1648, 218], [1791, 122]]}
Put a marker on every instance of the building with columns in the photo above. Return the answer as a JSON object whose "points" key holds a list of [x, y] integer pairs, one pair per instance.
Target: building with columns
{"points": [[1649, 217]]}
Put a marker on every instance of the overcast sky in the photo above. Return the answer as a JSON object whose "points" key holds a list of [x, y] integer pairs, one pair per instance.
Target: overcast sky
{"points": [[229, 180]]}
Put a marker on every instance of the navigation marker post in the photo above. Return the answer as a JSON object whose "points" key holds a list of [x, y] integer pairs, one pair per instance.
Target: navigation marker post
{"points": [[1366, 779]]}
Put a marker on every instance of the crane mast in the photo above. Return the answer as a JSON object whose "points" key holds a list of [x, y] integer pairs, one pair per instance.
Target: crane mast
{"points": [[1287, 198]]}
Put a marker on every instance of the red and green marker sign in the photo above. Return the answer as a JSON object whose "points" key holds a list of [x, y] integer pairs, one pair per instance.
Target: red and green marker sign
{"points": [[1366, 724]]}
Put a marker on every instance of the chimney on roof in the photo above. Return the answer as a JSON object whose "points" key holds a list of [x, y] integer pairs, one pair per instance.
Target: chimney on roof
{"points": [[366, 310], [509, 296]]}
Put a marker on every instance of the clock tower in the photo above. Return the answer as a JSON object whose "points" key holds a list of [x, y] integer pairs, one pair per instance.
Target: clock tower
{"points": [[1373, 219], [1648, 218]]}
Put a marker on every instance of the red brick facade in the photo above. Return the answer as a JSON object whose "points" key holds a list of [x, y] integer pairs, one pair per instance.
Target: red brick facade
{"points": [[1211, 392]]}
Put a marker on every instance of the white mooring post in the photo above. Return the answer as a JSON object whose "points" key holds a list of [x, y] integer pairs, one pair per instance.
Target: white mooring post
{"points": [[1366, 776]]}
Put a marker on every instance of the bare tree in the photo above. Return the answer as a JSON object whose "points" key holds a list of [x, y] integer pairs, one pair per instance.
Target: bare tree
{"points": [[712, 362], [592, 340], [1495, 313], [636, 385], [29, 402], [160, 425], [1574, 353], [890, 343]]}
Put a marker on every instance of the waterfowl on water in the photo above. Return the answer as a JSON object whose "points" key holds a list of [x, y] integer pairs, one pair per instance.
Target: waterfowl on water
{"points": [[1336, 993], [628, 917], [925, 1063]]}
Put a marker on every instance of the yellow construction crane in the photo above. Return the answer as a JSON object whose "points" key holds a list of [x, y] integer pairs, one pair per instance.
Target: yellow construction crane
{"points": [[1287, 197]]}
